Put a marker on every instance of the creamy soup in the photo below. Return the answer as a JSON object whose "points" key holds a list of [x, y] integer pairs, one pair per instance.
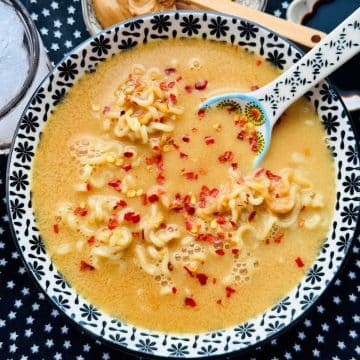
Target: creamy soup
{"points": [[151, 209]]}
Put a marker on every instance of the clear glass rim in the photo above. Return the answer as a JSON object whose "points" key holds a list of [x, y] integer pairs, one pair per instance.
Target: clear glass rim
{"points": [[34, 53]]}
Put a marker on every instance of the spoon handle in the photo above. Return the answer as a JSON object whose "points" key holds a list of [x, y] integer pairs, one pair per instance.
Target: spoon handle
{"points": [[333, 51]]}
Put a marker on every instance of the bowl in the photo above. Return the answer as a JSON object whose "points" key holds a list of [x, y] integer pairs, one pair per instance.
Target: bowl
{"points": [[93, 26], [341, 141]]}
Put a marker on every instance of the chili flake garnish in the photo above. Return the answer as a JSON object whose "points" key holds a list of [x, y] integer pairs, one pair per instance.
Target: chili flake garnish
{"points": [[188, 271], [126, 167], [128, 154], [160, 179], [169, 70], [234, 166], [80, 211], [254, 87], [173, 98], [132, 217], [209, 140], [190, 175], [120, 203], [56, 228], [235, 251], [91, 240], [227, 156], [170, 266], [299, 262], [202, 278], [220, 252], [189, 209], [190, 302], [214, 192], [153, 198], [229, 291], [258, 62], [174, 290], [185, 138], [201, 113], [188, 88], [115, 184], [85, 266], [219, 302], [220, 220], [183, 155], [201, 85], [259, 172], [88, 187], [272, 176], [113, 222], [278, 239]]}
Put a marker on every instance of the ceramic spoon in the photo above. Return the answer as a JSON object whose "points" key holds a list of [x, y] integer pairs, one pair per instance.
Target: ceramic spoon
{"points": [[264, 106]]}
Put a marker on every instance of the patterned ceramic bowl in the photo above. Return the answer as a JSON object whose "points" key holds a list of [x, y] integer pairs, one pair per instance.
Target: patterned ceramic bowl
{"points": [[156, 27]]}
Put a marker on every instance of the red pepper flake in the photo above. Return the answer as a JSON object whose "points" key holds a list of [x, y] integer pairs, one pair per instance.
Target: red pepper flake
{"points": [[219, 302], [169, 70], [254, 87], [267, 241], [259, 172], [132, 217], [252, 216], [188, 88], [201, 85], [116, 184], [234, 166], [190, 175], [88, 187], [241, 135], [56, 228], [120, 203], [183, 155], [179, 78], [174, 290], [173, 98], [229, 291], [113, 222], [106, 109], [209, 140], [194, 130], [235, 251], [214, 192], [299, 262], [220, 220], [190, 302], [160, 179], [85, 266], [188, 271], [258, 62], [201, 113], [170, 266], [153, 198], [189, 209], [80, 211], [220, 252], [188, 224], [127, 167], [91, 240], [143, 199], [171, 84], [227, 156], [214, 280], [207, 237], [272, 176], [163, 85], [136, 234], [202, 278], [278, 239], [185, 138], [128, 154]]}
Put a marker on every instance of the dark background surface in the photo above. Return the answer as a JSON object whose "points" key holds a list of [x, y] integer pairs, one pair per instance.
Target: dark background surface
{"points": [[31, 328]]}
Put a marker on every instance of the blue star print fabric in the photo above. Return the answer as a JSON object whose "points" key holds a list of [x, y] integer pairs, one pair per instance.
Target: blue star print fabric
{"points": [[31, 328]]}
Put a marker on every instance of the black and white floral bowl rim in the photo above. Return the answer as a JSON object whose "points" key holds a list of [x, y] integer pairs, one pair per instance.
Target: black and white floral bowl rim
{"points": [[206, 25]]}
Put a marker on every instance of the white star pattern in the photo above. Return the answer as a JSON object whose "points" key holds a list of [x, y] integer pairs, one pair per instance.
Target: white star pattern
{"points": [[67, 344], [34, 349], [57, 34], [353, 334], [28, 333], [45, 12], [341, 345], [54, 5], [13, 348]]}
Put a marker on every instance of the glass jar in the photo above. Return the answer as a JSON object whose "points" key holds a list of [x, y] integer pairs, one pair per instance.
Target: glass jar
{"points": [[23, 64]]}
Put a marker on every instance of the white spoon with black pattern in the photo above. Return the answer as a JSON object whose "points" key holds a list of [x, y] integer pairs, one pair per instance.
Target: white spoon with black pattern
{"points": [[264, 106]]}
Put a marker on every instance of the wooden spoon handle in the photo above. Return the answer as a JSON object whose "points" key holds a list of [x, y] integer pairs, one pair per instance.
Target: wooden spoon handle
{"points": [[303, 35]]}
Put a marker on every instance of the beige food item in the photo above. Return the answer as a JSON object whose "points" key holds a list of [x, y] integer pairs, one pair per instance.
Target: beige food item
{"points": [[117, 117], [109, 12]]}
